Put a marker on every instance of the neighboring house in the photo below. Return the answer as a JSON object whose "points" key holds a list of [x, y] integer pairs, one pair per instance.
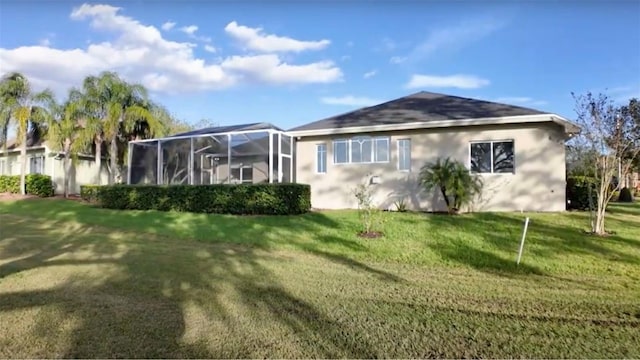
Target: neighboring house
{"points": [[519, 153], [42, 160]]}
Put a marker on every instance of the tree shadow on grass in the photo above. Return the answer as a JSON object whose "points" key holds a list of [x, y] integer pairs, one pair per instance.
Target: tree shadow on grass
{"points": [[126, 295], [472, 240]]}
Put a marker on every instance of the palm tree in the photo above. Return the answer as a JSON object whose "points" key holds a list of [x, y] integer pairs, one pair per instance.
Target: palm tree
{"points": [[21, 104], [456, 184], [117, 109], [65, 132]]}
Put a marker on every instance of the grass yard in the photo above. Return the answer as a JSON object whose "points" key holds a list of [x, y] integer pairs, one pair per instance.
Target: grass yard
{"points": [[77, 281]]}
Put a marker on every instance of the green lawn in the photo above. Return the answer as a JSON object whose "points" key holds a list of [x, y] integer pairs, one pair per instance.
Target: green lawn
{"points": [[77, 281]]}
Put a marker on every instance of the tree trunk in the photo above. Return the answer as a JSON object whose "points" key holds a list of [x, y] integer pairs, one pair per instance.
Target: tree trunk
{"points": [[443, 190], [67, 168], [98, 159], [23, 163], [113, 157]]}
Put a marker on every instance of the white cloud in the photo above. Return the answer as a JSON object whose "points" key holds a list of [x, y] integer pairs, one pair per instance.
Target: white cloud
{"points": [[453, 38], [189, 30], [388, 44], [451, 81], [520, 100], [370, 74], [255, 39], [270, 68], [168, 25], [209, 48], [349, 100], [45, 42], [398, 59], [140, 53]]}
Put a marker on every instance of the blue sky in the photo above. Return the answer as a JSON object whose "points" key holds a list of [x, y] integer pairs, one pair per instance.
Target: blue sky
{"points": [[290, 63]]}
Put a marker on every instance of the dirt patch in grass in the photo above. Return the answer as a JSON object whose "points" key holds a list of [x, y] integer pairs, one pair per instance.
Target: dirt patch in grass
{"points": [[13, 197]]}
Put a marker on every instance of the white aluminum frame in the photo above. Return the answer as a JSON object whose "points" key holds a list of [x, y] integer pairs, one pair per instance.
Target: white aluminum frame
{"points": [[373, 139], [229, 135]]}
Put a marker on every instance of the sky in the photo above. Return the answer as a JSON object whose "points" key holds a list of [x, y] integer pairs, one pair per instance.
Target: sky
{"points": [[293, 62]]}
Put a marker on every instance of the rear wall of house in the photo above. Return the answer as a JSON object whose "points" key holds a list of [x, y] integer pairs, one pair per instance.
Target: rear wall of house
{"points": [[537, 184]]}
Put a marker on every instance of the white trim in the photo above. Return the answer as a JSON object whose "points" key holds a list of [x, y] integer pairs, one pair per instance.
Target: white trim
{"points": [[570, 127], [270, 131], [398, 150], [373, 139], [326, 154], [491, 152]]}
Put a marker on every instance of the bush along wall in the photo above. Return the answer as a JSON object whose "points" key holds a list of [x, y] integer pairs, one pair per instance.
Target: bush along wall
{"points": [[578, 193], [35, 184], [241, 199]]}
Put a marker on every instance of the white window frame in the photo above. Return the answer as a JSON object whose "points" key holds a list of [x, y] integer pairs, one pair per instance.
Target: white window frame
{"points": [[317, 167], [491, 151], [399, 149], [374, 141], [43, 164]]}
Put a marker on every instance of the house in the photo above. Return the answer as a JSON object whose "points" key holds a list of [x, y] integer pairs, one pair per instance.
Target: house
{"points": [[518, 152], [41, 159]]}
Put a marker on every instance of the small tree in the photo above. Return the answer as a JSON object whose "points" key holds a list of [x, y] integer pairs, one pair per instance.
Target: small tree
{"points": [[457, 185], [367, 211], [612, 133]]}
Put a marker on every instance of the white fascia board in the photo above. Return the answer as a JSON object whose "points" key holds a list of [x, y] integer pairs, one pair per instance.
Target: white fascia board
{"points": [[441, 124]]}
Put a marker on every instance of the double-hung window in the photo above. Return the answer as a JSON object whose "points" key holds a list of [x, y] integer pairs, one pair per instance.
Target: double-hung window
{"points": [[404, 154], [36, 165], [321, 158], [491, 157], [361, 150]]}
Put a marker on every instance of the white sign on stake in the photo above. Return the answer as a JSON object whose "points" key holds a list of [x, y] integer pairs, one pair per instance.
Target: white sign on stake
{"points": [[524, 235]]}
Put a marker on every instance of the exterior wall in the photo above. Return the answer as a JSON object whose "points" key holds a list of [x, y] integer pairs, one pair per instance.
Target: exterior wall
{"points": [[12, 160], [84, 172], [538, 183]]}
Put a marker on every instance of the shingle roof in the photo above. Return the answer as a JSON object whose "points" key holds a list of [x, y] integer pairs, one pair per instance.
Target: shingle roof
{"points": [[419, 107], [230, 128]]}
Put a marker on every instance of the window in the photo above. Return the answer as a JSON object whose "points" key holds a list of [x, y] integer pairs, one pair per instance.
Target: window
{"points": [[382, 149], [361, 150], [492, 157], [404, 155], [244, 174], [3, 167], [321, 158], [341, 151], [36, 165]]}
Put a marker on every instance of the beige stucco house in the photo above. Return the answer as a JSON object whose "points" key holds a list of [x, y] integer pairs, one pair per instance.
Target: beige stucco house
{"points": [[519, 153], [42, 160]]}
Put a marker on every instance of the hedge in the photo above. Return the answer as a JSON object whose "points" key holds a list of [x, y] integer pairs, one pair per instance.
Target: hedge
{"points": [[241, 199], [35, 184], [578, 193]]}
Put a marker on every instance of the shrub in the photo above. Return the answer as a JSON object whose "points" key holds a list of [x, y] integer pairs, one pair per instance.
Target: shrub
{"points": [[10, 184], [581, 193], [401, 205], [625, 195], [39, 185], [35, 184], [89, 193], [456, 184], [369, 214], [242, 199]]}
